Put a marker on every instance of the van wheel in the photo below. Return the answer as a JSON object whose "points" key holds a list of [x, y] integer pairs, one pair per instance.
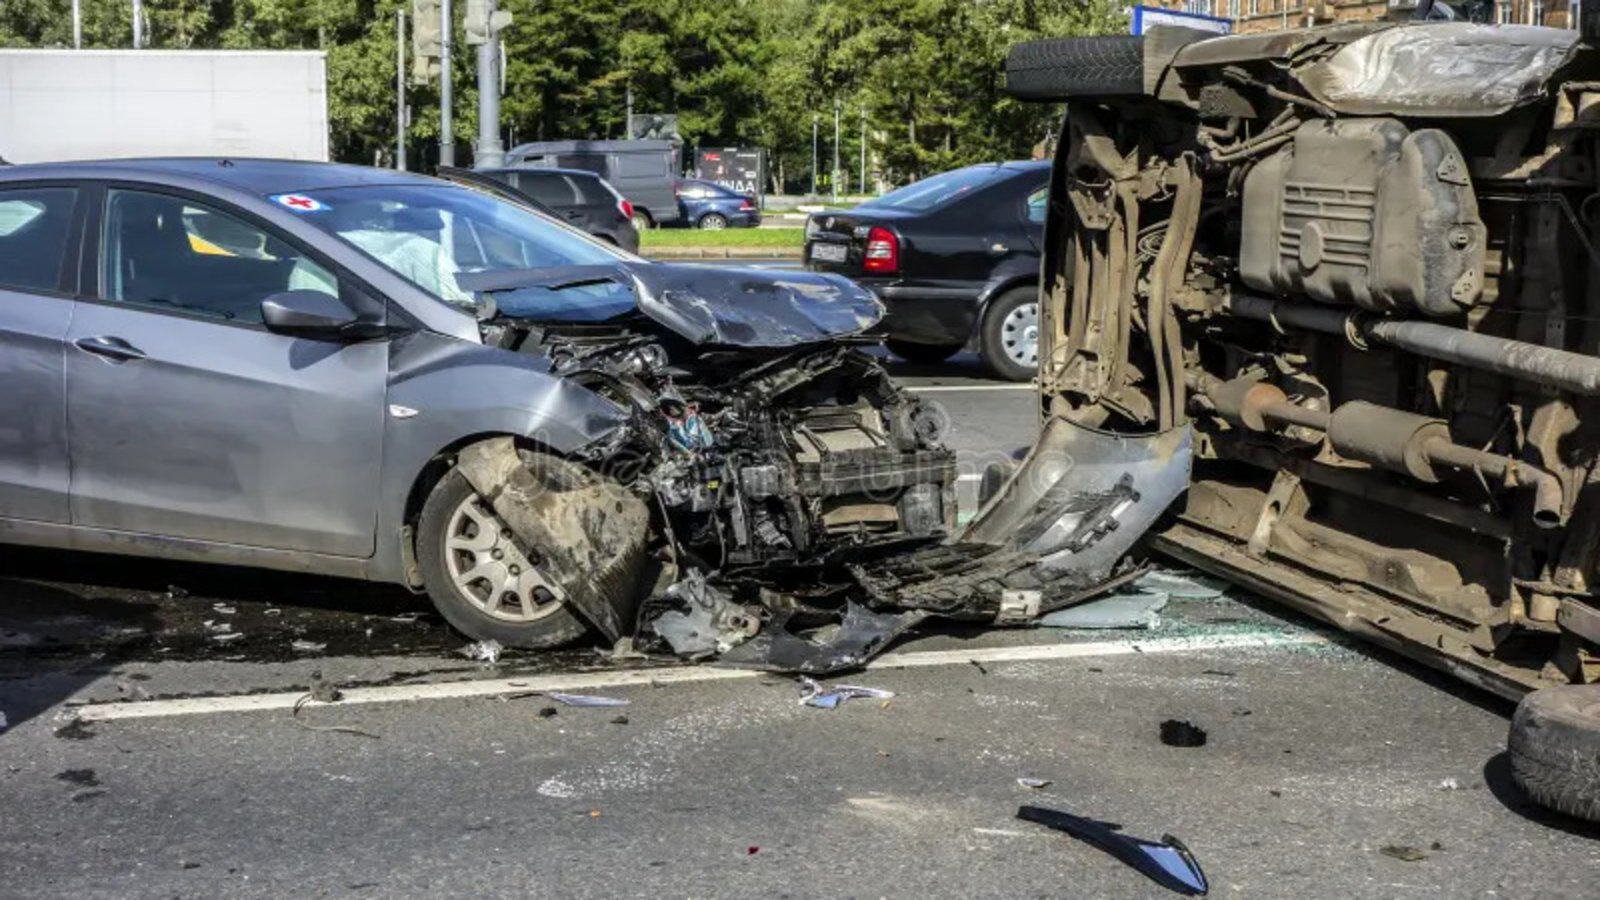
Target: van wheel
{"points": [[1555, 749], [641, 221], [926, 354], [1010, 334], [713, 222], [480, 581]]}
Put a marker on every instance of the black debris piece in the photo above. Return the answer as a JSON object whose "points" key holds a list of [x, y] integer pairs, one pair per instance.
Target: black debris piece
{"points": [[1166, 862], [547, 712], [1182, 734], [79, 777], [620, 720], [76, 730]]}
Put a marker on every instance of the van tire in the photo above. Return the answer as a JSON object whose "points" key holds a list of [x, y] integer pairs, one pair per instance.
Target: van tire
{"points": [[559, 627], [1555, 749], [1059, 68]]}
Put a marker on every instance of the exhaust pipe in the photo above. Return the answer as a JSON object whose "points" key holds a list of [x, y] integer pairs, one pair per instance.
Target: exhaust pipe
{"points": [[1391, 439]]}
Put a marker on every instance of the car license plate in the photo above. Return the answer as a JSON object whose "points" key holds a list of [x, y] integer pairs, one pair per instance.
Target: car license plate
{"points": [[829, 252]]}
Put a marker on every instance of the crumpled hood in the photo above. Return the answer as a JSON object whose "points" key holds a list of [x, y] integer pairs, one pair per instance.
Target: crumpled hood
{"points": [[705, 305]]}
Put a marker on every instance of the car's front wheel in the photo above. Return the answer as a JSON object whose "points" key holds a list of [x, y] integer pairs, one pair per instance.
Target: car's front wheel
{"points": [[480, 580], [713, 221], [1010, 335]]}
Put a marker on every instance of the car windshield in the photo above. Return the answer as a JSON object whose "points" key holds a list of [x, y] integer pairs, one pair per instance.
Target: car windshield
{"points": [[429, 234], [936, 190]]}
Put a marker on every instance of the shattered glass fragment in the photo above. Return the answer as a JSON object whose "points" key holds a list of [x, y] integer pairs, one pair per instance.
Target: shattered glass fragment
{"points": [[1136, 609]]}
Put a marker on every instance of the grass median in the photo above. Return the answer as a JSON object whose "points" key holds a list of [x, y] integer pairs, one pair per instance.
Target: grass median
{"points": [[788, 241]]}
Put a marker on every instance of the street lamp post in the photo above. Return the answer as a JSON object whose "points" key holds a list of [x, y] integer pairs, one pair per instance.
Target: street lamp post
{"points": [[834, 180], [400, 89], [491, 153], [138, 24], [447, 100], [814, 121]]}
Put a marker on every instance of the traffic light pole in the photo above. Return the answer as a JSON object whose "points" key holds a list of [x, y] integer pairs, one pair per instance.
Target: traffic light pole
{"points": [[490, 152], [447, 138]]}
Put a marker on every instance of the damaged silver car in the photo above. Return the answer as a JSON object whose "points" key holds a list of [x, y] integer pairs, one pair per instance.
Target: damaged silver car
{"points": [[1357, 263], [374, 374]]}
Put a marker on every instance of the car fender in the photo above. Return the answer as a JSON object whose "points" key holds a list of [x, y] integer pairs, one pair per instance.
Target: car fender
{"points": [[444, 393], [1004, 279]]}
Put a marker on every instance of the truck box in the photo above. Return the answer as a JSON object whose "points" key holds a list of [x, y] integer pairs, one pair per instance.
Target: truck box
{"points": [[97, 104]]}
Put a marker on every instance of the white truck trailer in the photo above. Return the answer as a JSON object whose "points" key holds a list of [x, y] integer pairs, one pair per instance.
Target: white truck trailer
{"points": [[98, 104]]}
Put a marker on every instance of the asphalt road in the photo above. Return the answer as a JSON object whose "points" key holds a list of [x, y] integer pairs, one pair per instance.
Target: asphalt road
{"points": [[147, 754]]}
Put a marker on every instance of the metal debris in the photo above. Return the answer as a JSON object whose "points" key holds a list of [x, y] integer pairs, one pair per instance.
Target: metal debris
{"points": [[1134, 609], [323, 691], [1034, 783], [709, 621], [584, 700], [814, 694], [482, 651], [1166, 862]]}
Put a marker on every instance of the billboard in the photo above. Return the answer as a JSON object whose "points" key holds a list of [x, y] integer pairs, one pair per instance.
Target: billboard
{"points": [[1146, 16], [736, 168]]}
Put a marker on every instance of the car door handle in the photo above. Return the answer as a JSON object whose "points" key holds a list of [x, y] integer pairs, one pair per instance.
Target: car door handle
{"points": [[110, 347]]}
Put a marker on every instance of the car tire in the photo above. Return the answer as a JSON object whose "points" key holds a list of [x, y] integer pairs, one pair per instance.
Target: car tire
{"points": [[1555, 749], [1007, 327], [642, 221], [1059, 68], [922, 354], [434, 527], [712, 222]]}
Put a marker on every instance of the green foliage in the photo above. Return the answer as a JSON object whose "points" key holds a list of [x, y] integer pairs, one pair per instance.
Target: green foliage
{"points": [[921, 78]]}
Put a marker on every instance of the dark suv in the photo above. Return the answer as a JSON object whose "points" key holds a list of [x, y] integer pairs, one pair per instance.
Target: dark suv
{"points": [[582, 199]]}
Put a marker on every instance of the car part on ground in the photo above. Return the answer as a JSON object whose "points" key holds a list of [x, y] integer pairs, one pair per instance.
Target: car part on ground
{"points": [[1555, 749], [1359, 261], [1167, 862], [952, 256]]}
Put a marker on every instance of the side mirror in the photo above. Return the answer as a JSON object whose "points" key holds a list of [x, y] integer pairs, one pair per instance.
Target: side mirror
{"points": [[310, 314]]}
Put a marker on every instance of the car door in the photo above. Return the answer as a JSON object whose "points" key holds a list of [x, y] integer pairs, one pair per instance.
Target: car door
{"points": [[186, 417], [39, 224]]}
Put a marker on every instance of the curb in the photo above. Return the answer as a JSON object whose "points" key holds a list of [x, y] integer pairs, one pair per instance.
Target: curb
{"points": [[723, 253]]}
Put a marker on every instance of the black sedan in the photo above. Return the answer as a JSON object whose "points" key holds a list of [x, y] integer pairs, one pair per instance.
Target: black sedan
{"points": [[955, 259]]}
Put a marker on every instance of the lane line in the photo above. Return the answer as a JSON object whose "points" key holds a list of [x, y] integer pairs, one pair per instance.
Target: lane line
{"points": [[947, 388], [589, 681]]}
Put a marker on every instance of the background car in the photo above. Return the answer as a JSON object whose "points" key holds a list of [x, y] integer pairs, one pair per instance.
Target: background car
{"points": [[706, 204], [955, 259], [644, 171], [582, 199]]}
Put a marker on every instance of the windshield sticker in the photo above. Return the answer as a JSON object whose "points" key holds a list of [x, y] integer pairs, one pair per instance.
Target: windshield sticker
{"points": [[299, 203]]}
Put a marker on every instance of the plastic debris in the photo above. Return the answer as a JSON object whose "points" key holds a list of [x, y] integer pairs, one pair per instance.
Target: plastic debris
{"points": [[709, 621], [1180, 585], [225, 637], [482, 651], [814, 694], [547, 712], [1135, 609], [1182, 734], [1449, 784], [584, 700], [1166, 862], [224, 608], [620, 720], [307, 646], [1403, 852], [1034, 783]]}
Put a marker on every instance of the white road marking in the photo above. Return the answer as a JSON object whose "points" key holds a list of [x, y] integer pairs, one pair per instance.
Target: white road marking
{"points": [[936, 388], [970, 476], [588, 681]]}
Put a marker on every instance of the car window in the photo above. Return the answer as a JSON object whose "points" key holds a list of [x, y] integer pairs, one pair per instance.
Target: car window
{"points": [[693, 191], [1038, 204], [637, 165], [549, 188], [936, 190], [173, 253], [428, 234], [34, 228], [586, 162], [591, 192]]}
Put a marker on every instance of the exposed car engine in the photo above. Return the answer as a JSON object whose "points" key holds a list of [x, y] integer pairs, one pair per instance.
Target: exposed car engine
{"points": [[805, 456]]}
